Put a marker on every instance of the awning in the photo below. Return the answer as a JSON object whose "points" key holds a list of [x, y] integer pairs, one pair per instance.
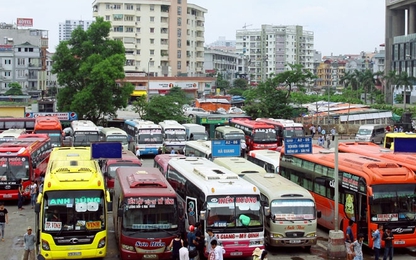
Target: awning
{"points": [[138, 93]]}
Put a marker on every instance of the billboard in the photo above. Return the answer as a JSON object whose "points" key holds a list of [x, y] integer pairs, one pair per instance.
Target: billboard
{"points": [[168, 85], [25, 22]]}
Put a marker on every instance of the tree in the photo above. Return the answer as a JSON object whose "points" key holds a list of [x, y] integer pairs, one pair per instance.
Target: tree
{"points": [[296, 76], [52, 91], [162, 108], [88, 66], [222, 84], [239, 86], [179, 95], [15, 89], [140, 105], [388, 81], [405, 80]]}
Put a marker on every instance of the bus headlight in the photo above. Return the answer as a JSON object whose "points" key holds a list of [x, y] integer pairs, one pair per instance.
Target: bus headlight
{"points": [[127, 247], [255, 242], [45, 245], [313, 234], [276, 235], [101, 243]]}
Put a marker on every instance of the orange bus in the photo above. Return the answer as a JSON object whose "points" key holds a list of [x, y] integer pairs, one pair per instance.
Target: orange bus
{"points": [[51, 126], [371, 192], [161, 161], [259, 135], [375, 151]]}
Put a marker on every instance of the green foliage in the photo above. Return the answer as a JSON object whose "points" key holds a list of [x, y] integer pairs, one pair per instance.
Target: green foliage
{"points": [[238, 87], [179, 95], [398, 99], [222, 84], [88, 66], [15, 89], [52, 91], [161, 108], [140, 106]]}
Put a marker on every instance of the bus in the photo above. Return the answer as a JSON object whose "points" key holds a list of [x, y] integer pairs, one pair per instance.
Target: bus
{"points": [[114, 134], [195, 132], [220, 200], [258, 135], [84, 133], [284, 128], [174, 135], [71, 212], [371, 192], [109, 167], [19, 123], [161, 161], [198, 148], [268, 159], [51, 126], [290, 214], [389, 138], [145, 136], [11, 134], [24, 158], [145, 213], [229, 133]]}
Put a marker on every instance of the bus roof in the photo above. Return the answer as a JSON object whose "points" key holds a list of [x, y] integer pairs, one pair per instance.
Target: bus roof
{"points": [[70, 153], [276, 186], [143, 181], [47, 123], [211, 178], [83, 125], [11, 133], [142, 124], [201, 145], [171, 124], [163, 159], [250, 123], [282, 122], [126, 157], [401, 135], [112, 131], [270, 156], [239, 165], [228, 129]]}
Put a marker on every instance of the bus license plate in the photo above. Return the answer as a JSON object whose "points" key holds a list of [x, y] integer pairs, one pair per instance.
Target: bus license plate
{"points": [[295, 241], [74, 254], [399, 242], [236, 253], [7, 196]]}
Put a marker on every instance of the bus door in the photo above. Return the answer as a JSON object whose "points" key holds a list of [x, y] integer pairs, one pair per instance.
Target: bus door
{"points": [[191, 210]]}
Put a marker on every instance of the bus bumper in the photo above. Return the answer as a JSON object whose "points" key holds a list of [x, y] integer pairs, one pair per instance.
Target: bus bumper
{"points": [[292, 242], [240, 252], [126, 254], [148, 151], [74, 254]]}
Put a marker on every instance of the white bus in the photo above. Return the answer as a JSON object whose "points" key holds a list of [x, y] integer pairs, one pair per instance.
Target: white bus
{"points": [[11, 134], [174, 135], [268, 159], [195, 132], [198, 148], [143, 135], [290, 212], [84, 132], [114, 134], [229, 133], [222, 201]]}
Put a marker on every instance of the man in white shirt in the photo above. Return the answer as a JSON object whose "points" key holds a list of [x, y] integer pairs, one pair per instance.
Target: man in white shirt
{"points": [[183, 251], [218, 250]]}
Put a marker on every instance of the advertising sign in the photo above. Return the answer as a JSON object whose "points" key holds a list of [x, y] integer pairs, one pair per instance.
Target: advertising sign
{"points": [[169, 85], [25, 22], [63, 116]]}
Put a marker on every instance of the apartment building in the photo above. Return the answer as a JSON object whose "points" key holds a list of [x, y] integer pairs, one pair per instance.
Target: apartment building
{"points": [[271, 47], [161, 37], [66, 28]]}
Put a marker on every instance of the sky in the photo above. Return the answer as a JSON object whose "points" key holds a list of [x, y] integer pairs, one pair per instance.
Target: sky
{"points": [[339, 26]]}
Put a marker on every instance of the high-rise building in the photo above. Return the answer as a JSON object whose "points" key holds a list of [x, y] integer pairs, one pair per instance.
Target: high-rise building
{"points": [[272, 47], [66, 28], [161, 37]]}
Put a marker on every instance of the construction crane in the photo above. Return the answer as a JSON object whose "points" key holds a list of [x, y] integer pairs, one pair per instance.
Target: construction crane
{"points": [[247, 25]]}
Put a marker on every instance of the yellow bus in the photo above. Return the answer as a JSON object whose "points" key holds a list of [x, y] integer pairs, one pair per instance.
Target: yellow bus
{"points": [[389, 138], [289, 209], [71, 212]]}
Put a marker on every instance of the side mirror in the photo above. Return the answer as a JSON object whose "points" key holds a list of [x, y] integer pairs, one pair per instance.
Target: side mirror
{"points": [[318, 214], [267, 212], [202, 214]]}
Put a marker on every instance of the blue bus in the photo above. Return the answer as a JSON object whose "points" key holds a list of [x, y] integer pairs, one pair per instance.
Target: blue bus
{"points": [[143, 135]]}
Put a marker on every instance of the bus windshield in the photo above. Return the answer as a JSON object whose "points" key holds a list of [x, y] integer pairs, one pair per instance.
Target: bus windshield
{"points": [[85, 138], [293, 132], [175, 134], [147, 214], [117, 138], [292, 209], [74, 210], [150, 136], [112, 169], [14, 168], [234, 136], [234, 211], [264, 135], [393, 202]]}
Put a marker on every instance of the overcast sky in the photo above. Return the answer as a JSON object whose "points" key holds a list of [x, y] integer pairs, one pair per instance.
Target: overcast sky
{"points": [[340, 26]]}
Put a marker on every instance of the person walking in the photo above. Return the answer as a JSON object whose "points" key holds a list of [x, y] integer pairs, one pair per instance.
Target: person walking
{"points": [[357, 247], [172, 151], [184, 252], [328, 142], [333, 132], [319, 129], [20, 196], [29, 245], [218, 250], [313, 130], [349, 238], [243, 146], [321, 141], [33, 193], [175, 245], [210, 236], [138, 153], [388, 244], [377, 241], [4, 219], [192, 243]]}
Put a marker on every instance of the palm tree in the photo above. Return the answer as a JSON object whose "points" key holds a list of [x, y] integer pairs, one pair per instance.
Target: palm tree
{"points": [[389, 80], [405, 80]]}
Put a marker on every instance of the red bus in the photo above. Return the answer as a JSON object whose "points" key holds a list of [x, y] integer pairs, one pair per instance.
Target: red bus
{"points": [[371, 191], [128, 159], [259, 135], [374, 150], [51, 126], [145, 213], [24, 158], [19, 123], [284, 128], [161, 161]]}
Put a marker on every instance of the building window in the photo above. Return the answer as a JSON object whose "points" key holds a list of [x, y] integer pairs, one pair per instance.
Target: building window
{"points": [[129, 29], [152, 52], [179, 54], [108, 6], [152, 7], [152, 41], [137, 18], [179, 65], [7, 61], [20, 61], [179, 10], [129, 7], [7, 73], [128, 18], [179, 32], [19, 49], [138, 7], [118, 28], [179, 2], [152, 30], [179, 43], [152, 18], [179, 21], [138, 52], [107, 18], [137, 29], [138, 40]]}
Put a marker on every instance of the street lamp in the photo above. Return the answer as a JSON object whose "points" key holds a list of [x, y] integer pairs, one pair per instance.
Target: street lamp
{"points": [[148, 78]]}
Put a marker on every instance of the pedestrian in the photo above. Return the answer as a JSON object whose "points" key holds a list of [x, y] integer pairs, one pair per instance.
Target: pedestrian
{"points": [[243, 148], [33, 193], [218, 250], [256, 253], [175, 245], [29, 245], [349, 238], [200, 239], [388, 244], [377, 241], [357, 247], [159, 150], [20, 195], [319, 129], [172, 151], [321, 141], [4, 219], [184, 252], [401, 129], [395, 129], [193, 252], [333, 132], [210, 236], [323, 132], [138, 153], [181, 227], [388, 129], [264, 254], [164, 149], [328, 142], [313, 130]]}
